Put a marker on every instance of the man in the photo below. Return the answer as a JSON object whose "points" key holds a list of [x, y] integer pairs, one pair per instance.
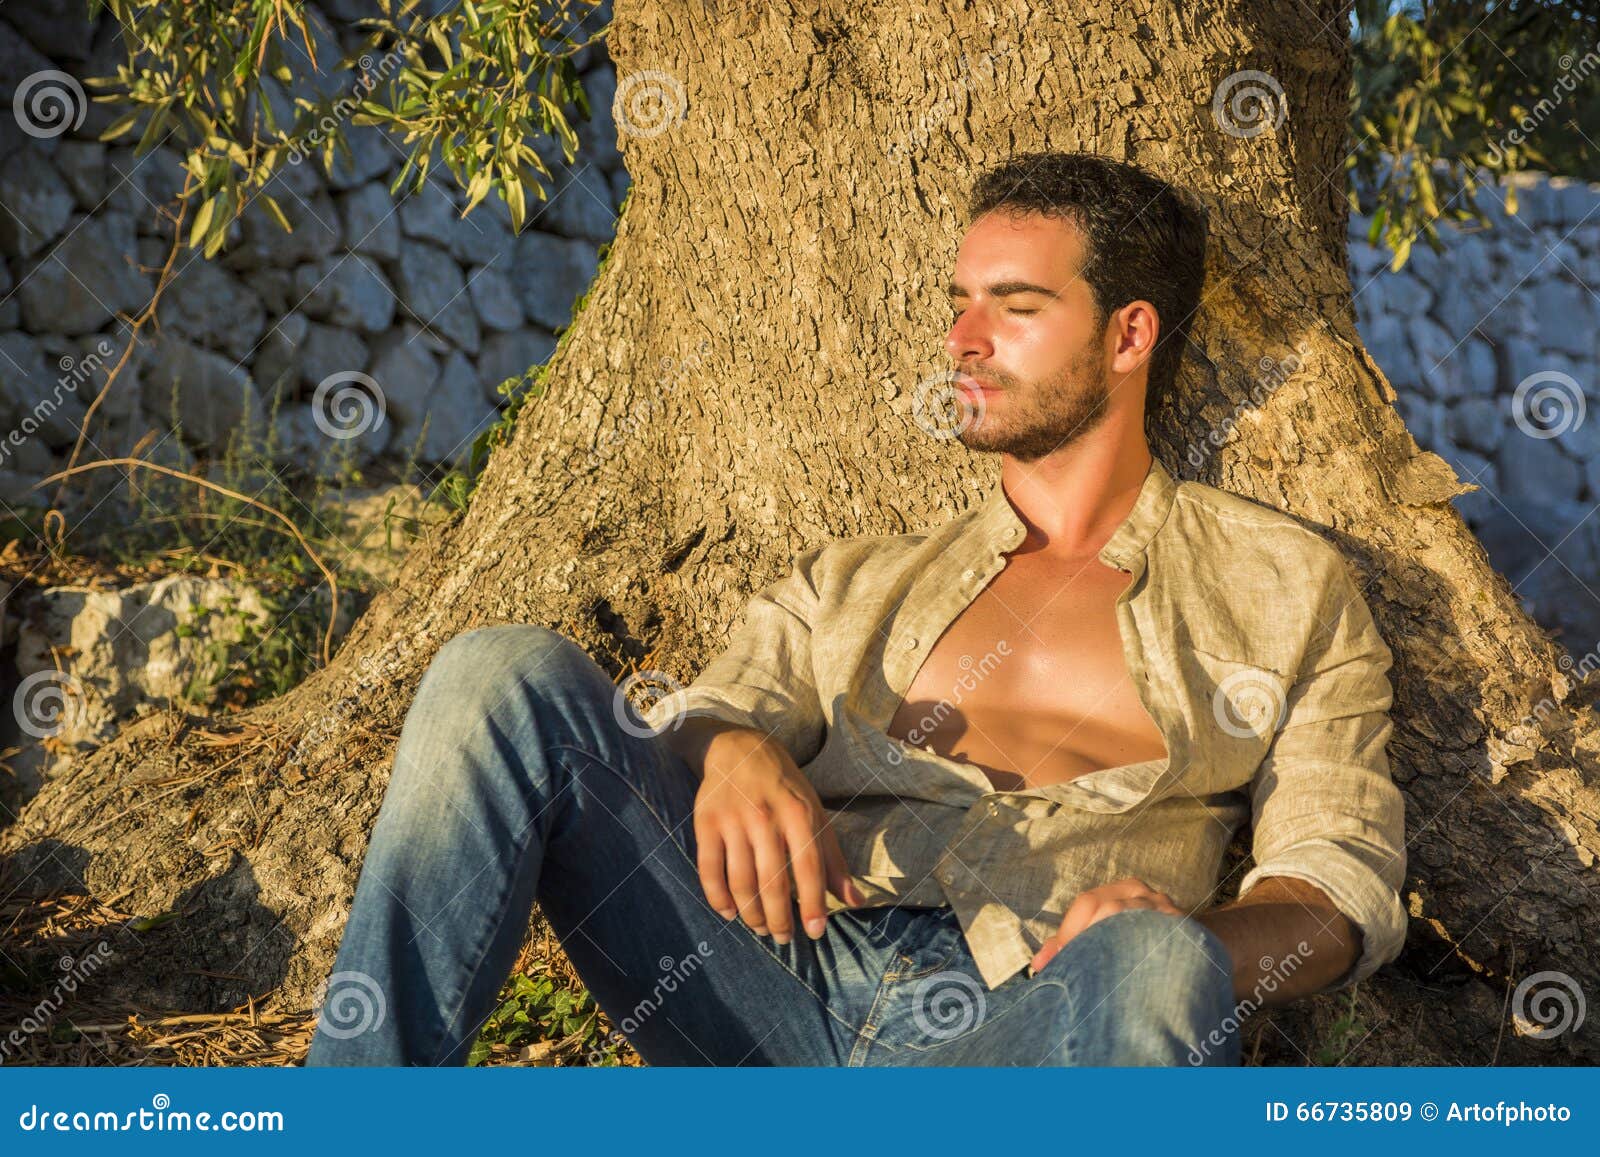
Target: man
{"points": [[958, 797]]}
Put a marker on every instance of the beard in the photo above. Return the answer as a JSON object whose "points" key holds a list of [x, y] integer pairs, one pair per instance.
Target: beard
{"points": [[1037, 418]]}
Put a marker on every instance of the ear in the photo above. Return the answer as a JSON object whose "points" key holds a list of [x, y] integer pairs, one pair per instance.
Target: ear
{"points": [[1135, 327]]}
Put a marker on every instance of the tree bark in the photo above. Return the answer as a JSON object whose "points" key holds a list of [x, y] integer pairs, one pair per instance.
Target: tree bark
{"points": [[740, 385]]}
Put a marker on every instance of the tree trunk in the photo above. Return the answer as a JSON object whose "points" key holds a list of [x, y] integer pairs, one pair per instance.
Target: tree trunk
{"points": [[740, 385]]}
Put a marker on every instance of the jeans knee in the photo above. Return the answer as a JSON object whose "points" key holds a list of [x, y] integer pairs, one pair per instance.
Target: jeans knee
{"points": [[1169, 941], [480, 667], [1161, 983], [1163, 954]]}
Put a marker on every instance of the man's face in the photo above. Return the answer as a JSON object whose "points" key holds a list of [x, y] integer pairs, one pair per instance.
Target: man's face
{"points": [[1025, 330]]}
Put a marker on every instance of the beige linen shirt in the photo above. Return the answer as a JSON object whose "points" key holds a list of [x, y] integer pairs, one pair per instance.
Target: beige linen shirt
{"points": [[1248, 643]]}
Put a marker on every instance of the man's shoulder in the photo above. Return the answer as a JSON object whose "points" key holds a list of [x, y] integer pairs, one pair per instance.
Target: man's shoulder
{"points": [[1224, 528], [848, 565], [1248, 581]]}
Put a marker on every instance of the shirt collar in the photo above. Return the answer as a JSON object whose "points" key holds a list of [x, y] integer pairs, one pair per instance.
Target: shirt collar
{"points": [[1150, 509]]}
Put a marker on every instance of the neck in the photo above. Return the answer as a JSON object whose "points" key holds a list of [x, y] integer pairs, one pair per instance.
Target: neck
{"points": [[1073, 500]]}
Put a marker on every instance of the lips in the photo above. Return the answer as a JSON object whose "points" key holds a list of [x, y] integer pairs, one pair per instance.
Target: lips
{"points": [[976, 385]]}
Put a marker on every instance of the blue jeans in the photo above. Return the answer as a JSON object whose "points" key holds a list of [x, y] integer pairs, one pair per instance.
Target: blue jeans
{"points": [[516, 780]]}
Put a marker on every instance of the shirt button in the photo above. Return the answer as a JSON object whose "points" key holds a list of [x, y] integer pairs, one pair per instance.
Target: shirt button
{"points": [[969, 575], [994, 808], [910, 643]]}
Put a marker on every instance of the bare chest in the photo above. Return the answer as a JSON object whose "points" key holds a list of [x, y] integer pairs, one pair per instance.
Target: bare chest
{"points": [[1030, 682]]}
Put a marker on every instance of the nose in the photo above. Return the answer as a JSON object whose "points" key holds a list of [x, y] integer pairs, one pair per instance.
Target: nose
{"points": [[968, 340]]}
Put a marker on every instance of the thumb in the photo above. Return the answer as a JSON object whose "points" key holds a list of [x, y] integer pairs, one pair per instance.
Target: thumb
{"points": [[1046, 950]]}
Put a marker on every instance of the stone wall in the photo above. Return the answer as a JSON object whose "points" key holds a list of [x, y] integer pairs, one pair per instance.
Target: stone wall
{"points": [[1492, 348], [369, 287]]}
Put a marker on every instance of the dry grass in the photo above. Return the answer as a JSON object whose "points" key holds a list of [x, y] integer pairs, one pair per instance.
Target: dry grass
{"points": [[36, 934]]}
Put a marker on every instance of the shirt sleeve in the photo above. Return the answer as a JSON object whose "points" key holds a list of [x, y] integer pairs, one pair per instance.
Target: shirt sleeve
{"points": [[1324, 807], [764, 678]]}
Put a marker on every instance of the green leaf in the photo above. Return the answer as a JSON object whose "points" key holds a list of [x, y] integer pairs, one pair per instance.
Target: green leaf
{"points": [[277, 212], [121, 125], [146, 923], [202, 221]]}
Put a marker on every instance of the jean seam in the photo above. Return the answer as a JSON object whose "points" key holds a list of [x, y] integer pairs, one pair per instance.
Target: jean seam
{"points": [[668, 830], [444, 1032]]}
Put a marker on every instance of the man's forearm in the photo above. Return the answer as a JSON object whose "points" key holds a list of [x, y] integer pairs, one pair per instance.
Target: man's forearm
{"points": [[1286, 938], [692, 738]]}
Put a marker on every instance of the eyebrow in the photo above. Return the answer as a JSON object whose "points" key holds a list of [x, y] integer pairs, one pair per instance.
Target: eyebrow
{"points": [[1006, 289]]}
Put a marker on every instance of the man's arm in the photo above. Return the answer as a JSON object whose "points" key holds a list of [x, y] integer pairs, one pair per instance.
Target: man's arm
{"points": [[1287, 940], [1321, 910], [762, 680]]}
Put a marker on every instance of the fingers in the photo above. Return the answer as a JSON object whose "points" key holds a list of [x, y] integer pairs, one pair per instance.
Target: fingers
{"points": [[772, 881], [1094, 905], [805, 858], [741, 861], [710, 859], [1077, 916]]}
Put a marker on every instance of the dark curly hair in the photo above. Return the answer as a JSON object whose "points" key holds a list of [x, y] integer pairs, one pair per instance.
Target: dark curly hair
{"points": [[1145, 239]]}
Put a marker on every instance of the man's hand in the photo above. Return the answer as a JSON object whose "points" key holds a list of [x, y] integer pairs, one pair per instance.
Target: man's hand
{"points": [[1097, 904], [756, 818]]}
